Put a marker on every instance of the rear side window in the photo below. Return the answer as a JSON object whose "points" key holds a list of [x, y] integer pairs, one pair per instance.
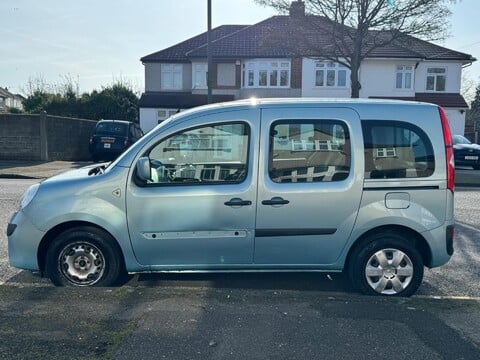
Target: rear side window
{"points": [[395, 149], [309, 151]]}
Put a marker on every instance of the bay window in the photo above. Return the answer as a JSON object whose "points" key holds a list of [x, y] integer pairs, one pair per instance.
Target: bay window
{"points": [[266, 74]]}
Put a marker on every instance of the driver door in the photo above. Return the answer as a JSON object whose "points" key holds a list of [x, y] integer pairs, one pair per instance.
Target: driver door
{"points": [[198, 208]]}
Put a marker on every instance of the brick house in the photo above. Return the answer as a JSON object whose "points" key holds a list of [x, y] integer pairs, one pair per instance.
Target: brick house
{"points": [[266, 60]]}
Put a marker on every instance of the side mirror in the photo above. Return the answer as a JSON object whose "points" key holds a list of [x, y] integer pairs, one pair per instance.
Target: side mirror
{"points": [[143, 168]]}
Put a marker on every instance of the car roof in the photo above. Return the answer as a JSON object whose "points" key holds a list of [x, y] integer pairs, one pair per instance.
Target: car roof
{"points": [[115, 121]]}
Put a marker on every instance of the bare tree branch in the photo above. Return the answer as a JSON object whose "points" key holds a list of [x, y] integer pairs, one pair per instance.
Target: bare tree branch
{"points": [[355, 28]]}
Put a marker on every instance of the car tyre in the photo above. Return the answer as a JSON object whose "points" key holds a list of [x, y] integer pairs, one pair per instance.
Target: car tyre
{"points": [[85, 256], [388, 265]]}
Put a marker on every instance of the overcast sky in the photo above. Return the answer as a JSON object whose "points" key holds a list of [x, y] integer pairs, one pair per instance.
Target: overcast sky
{"points": [[96, 42]]}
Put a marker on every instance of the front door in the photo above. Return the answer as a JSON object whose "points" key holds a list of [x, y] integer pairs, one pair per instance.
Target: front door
{"points": [[309, 185], [198, 209]]}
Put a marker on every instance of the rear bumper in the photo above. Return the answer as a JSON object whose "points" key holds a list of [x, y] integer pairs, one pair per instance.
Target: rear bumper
{"points": [[441, 243]]}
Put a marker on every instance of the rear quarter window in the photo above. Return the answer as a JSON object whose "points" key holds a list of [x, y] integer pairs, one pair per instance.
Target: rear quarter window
{"points": [[396, 149]]}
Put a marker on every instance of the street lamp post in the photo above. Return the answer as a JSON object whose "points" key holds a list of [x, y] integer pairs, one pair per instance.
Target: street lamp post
{"points": [[209, 52]]}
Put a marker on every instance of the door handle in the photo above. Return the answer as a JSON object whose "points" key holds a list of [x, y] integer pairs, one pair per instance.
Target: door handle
{"points": [[238, 202], [275, 201]]}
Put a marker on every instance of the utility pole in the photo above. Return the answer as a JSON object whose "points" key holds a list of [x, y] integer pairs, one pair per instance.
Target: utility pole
{"points": [[209, 52]]}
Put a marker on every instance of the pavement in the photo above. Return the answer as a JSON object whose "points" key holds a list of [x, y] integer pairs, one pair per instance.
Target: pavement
{"points": [[14, 169], [23, 169]]}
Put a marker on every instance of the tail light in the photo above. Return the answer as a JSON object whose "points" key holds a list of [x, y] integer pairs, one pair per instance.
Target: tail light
{"points": [[447, 139]]}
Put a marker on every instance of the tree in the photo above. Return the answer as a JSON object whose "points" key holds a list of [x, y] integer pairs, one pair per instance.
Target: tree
{"points": [[117, 101], [355, 28], [114, 102]]}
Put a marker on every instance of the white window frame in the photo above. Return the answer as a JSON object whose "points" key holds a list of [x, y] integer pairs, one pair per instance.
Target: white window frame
{"points": [[199, 75], [266, 73], [435, 78], [329, 68], [405, 72], [171, 76], [163, 114]]}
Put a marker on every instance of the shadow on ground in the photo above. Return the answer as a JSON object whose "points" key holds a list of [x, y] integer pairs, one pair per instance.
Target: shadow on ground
{"points": [[334, 282]]}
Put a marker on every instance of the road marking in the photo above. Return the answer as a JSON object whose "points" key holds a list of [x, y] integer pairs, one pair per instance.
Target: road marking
{"points": [[452, 297]]}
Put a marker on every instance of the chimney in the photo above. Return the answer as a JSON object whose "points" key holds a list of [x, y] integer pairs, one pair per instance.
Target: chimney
{"points": [[297, 8]]}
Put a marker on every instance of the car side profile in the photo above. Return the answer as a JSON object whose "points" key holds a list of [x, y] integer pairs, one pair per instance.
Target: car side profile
{"points": [[360, 186]]}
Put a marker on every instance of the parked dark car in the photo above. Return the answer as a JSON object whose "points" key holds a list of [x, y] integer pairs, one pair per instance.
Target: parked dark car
{"points": [[112, 137], [466, 153]]}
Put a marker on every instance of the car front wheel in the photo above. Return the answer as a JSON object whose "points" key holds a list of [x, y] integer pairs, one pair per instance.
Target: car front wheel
{"points": [[84, 256], [388, 265]]}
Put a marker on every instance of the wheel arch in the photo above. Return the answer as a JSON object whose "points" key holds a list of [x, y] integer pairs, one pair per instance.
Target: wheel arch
{"points": [[415, 238], [53, 233]]}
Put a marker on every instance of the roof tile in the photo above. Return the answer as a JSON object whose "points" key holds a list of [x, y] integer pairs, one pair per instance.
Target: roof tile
{"points": [[287, 36]]}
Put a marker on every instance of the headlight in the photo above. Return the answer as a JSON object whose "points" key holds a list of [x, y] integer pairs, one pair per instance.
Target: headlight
{"points": [[29, 195]]}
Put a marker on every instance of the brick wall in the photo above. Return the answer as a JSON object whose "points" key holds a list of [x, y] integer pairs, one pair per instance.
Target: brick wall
{"points": [[44, 137]]}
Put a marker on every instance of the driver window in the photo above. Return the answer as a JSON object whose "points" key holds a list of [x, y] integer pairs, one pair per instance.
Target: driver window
{"points": [[213, 154]]}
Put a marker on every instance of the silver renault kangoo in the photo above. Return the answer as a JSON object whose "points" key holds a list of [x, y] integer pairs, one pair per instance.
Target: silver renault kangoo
{"points": [[364, 187]]}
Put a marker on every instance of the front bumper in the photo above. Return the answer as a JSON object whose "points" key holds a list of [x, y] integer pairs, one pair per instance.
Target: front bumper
{"points": [[23, 242]]}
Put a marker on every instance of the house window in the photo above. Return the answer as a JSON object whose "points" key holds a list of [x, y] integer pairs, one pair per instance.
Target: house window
{"points": [[330, 74], [404, 77], [199, 76], [171, 76], [436, 79], [266, 74], [164, 114]]}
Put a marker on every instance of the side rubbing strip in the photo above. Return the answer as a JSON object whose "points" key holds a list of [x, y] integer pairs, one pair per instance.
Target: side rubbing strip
{"points": [[404, 188], [293, 232]]}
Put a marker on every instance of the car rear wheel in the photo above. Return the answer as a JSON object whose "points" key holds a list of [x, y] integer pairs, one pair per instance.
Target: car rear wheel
{"points": [[84, 256], [388, 265]]}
